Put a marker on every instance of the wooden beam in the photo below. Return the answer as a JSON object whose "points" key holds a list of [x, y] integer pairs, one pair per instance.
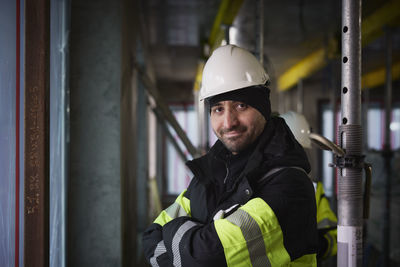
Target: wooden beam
{"points": [[36, 155]]}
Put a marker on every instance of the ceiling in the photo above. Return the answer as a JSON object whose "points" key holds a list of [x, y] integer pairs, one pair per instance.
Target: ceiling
{"points": [[177, 29]]}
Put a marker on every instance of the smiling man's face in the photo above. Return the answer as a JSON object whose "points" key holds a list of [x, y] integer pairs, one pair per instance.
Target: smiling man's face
{"points": [[237, 125]]}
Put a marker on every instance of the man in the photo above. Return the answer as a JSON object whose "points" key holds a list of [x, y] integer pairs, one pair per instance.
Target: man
{"points": [[326, 218], [250, 202]]}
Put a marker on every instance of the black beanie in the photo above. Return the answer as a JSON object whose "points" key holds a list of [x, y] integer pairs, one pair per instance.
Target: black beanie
{"points": [[254, 96]]}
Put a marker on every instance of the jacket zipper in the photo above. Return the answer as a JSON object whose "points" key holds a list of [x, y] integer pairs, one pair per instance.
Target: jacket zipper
{"points": [[227, 172]]}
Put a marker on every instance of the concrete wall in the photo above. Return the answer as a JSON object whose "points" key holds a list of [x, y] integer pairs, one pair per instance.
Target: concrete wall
{"points": [[94, 189]]}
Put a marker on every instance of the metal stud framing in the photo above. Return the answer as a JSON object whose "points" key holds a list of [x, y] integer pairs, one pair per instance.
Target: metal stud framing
{"points": [[36, 158]]}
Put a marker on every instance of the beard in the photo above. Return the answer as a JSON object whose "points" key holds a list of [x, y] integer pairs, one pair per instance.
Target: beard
{"points": [[236, 143]]}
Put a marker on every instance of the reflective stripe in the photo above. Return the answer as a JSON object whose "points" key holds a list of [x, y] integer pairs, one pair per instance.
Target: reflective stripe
{"points": [[221, 213], [253, 236], [160, 249], [163, 218], [330, 245], [324, 223], [176, 240], [175, 211], [235, 238], [315, 186], [237, 234], [181, 207]]}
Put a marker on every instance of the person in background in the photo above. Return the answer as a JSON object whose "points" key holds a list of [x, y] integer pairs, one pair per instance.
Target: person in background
{"points": [[250, 202], [326, 218]]}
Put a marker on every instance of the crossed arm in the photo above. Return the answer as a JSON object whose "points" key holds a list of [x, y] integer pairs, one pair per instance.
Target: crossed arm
{"points": [[176, 239], [249, 236]]}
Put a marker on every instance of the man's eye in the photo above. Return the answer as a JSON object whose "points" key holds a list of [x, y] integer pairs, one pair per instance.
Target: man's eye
{"points": [[242, 106], [216, 109]]}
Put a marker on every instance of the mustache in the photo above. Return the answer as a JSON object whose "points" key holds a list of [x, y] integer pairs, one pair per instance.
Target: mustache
{"points": [[239, 128]]}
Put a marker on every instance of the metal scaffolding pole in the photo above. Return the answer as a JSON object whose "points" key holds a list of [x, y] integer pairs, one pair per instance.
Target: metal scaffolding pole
{"points": [[36, 133], [387, 153], [259, 30], [166, 112], [350, 197], [170, 136], [202, 122]]}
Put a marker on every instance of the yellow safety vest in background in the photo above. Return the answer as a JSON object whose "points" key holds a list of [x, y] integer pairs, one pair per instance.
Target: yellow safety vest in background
{"points": [[326, 221]]}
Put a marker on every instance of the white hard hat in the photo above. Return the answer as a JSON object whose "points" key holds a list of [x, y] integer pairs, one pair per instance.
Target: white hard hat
{"points": [[299, 127], [230, 68]]}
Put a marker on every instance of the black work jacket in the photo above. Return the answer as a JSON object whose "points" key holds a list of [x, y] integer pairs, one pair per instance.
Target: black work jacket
{"points": [[219, 183]]}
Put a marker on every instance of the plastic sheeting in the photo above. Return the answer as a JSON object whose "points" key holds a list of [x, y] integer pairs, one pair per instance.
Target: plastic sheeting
{"points": [[10, 228], [7, 132], [59, 27]]}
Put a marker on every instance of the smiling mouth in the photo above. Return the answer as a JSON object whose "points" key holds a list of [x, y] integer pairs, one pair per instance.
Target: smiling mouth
{"points": [[232, 134]]}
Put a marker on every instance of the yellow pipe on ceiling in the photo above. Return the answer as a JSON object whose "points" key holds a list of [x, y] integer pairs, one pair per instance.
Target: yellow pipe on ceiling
{"points": [[199, 72], [378, 77], [305, 67], [371, 28], [226, 14]]}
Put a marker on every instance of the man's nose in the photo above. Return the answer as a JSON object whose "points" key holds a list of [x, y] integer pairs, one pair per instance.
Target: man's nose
{"points": [[230, 119]]}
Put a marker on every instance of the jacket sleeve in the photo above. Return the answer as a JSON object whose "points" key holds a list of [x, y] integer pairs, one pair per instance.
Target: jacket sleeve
{"points": [[249, 236], [289, 198], [190, 243], [153, 243], [154, 248]]}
